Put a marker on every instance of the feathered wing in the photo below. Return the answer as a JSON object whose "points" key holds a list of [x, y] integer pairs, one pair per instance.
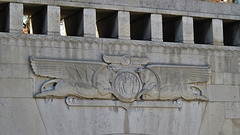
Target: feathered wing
{"points": [[75, 71], [180, 74], [180, 81]]}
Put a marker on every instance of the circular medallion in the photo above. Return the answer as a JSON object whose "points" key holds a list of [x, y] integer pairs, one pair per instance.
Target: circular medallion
{"points": [[126, 86]]}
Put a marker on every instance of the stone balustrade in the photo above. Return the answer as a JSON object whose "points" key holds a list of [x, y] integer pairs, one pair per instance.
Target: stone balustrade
{"points": [[114, 23]]}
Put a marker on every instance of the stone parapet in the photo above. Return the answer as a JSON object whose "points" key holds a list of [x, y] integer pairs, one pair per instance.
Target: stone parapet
{"points": [[123, 23]]}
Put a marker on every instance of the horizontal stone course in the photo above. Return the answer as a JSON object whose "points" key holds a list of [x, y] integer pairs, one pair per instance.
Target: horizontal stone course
{"points": [[217, 78], [223, 93], [13, 87], [6, 70]]}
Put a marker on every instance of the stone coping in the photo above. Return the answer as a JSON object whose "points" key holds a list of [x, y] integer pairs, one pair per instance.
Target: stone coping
{"points": [[110, 41]]}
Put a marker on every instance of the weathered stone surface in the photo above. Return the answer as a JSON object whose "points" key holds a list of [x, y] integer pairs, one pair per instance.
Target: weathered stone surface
{"points": [[236, 129], [187, 23], [20, 71], [224, 64], [232, 110], [13, 54], [217, 26], [217, 78], [80, 120], [156, 27], [124, 25], [157, 122], [6, 70], [89, 22], [223, 93], [213, 119], [20, 116], [227, 127], [231, 78], [10, 87], [53, 15], [15, 17]]}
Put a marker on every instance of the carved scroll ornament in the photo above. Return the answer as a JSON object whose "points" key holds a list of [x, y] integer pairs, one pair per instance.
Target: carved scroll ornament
{"points": [[123, 78]]}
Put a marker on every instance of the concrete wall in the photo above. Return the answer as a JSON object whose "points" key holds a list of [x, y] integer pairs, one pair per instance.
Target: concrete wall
{"points": [[22, 114]]}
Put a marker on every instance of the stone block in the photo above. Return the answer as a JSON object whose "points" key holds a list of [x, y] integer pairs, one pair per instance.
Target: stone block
{"points": [[224, 9], [217, 78], [63, 53], [135, 3], [236, 126], [15, 17], [208, 7], [19, 55], [217, 26], [232, 110], [150, 120], [181, 4], [53, 15], [123, 25], [20, 117], [6, 108], [213, 119], [6, 70], [6, 56], [235, 10], [223, 93], [11, 54], [191, 6], [10, 87], [187, 23], [233, 64], [231, 78], [224, 64], [147, 3], [191, 59], [89, 24], [156, 27], [139, 9], [165, 4], [21, 70], [37, 1], [227, 127], [158, 58], [80, 120]]}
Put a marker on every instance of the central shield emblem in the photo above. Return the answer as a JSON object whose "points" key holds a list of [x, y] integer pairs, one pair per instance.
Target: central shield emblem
{"points": [[127, 85]]}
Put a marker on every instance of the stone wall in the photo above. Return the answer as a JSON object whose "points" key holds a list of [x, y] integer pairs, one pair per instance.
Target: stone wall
{"points": [[200, 34]]}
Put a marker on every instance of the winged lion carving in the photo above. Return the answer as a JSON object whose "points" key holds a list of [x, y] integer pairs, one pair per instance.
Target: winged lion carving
{"points": [[120, 77]]}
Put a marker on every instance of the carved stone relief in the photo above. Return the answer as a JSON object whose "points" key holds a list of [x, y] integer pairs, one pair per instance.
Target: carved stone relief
{"points": [[124, 78]]}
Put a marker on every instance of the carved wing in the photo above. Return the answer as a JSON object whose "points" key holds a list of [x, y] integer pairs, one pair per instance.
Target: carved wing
{"points": [[180, 74], [75, 71]]}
